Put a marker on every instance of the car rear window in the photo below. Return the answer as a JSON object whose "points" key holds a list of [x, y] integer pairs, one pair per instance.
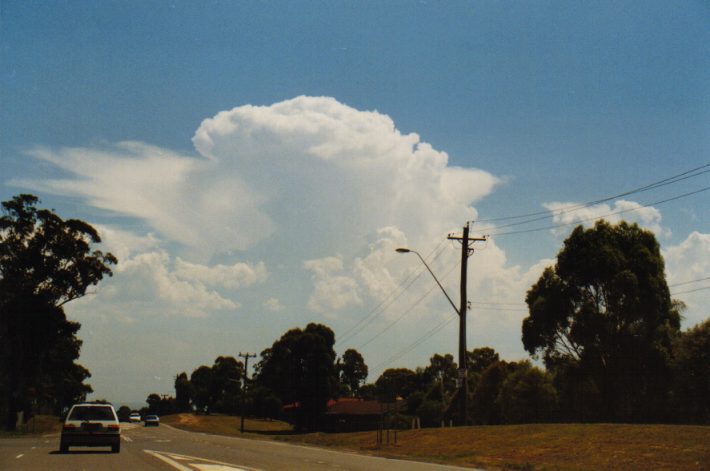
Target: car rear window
{"points": [[92, 413]]}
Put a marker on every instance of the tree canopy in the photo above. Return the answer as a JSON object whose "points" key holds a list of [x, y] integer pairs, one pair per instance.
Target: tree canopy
{"points": [[300, 369], [45, 262], [352, 370], [605, 308]]}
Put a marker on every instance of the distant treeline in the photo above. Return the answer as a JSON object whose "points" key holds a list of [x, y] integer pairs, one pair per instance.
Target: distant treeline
{"points": [[501, 392], [601, 320]]}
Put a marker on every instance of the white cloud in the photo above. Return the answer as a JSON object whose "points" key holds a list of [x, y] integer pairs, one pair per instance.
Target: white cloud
{"points": [[311, 165], [309, 172], [332, 290], [184, 199], [148, 278], [124, 244], [571, 213], [226, 276], [274, 305]]}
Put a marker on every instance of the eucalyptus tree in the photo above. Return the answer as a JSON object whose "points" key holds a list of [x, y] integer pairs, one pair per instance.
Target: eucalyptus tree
{"points": [[604, 312], [45, 262]]}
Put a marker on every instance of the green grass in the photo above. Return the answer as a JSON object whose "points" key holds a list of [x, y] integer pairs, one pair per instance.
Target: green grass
{"points": [[511, 447]]}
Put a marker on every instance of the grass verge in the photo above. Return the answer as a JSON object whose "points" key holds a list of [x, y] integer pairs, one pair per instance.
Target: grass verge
{"points": [[39, 424], [510, 447]]}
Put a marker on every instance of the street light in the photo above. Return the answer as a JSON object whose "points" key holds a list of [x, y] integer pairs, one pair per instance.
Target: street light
{"points": [[463, 388], [403, 250]]}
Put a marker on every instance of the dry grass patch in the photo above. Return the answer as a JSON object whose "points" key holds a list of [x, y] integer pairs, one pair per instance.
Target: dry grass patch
{"points": [[565, 447], [38, 424], [224, 424], [544, 446]]}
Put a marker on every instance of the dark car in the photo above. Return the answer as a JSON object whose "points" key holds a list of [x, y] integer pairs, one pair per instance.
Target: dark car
{"points": [[91, 424], [151, 420]]}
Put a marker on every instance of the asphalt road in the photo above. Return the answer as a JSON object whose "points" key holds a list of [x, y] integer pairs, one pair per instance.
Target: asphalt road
{"points": [[168, 449]]}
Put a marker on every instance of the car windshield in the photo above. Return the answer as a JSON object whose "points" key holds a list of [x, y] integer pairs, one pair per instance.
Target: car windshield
{"points": [[91, 413]]}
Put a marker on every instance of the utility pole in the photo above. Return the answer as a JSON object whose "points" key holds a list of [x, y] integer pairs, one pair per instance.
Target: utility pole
{"points": [[246, 357], [466, 250]]}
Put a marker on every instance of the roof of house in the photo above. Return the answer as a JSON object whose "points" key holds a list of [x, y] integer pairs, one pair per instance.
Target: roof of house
{"points": [[354, 406]]}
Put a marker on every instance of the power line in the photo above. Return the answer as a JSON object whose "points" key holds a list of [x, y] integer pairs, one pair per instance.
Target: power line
{"points": [[666, 181], [689, 282], [389, 300], [407, 311], [430, 333], [525, 231], [691, 291]]}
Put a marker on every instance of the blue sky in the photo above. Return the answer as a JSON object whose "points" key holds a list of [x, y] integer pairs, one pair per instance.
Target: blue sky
{"points": [[254, 164]]}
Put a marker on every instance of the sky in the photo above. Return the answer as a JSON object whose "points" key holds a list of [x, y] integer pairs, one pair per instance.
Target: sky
{"points": [[254, 165]]}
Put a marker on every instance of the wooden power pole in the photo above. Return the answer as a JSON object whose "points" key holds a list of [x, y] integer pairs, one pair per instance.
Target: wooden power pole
{"points": [[466, 250], [246, 357]]}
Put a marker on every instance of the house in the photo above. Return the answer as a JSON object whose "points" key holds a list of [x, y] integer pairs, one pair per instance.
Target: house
{"points": [[349, 414]]}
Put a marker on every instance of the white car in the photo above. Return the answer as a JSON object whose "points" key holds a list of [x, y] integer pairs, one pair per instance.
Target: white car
{"points": [[152, 420], [134, 417], [91, 424]]}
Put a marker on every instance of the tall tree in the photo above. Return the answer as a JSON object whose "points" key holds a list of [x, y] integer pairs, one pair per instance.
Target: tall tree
{"points": [[300, 368], [396, 382], [352, 370], [691, 375], [606, 308], [479, 359], [183, 393], [226, 385], [45, 262], [201, 380], [485, 407], [527, 395], [443, 371]]}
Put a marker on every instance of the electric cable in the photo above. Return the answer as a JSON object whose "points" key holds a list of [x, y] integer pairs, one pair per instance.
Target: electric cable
{"points": [[656, 203], [666, 181]]}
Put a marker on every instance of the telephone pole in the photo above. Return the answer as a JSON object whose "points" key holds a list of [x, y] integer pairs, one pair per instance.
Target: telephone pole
{"points": [[246, 357], [466, 251]]}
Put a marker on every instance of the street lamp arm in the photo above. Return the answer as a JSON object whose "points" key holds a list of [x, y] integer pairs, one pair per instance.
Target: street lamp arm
{"points": [[402, 250]]}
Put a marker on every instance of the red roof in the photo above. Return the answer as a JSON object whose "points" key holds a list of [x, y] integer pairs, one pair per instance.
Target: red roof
{"points": [[354, 406]]}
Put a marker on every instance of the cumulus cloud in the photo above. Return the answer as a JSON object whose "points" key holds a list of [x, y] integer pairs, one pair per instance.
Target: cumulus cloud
{"points": [[311, 161], [273, 305], [309, 172], [572, 213], [149, 277], [226, 276], [333, 291], [124, 244]]}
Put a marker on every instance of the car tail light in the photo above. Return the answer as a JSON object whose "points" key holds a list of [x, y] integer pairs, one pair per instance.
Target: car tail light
{"points": [[114, 427], [69, 427]]}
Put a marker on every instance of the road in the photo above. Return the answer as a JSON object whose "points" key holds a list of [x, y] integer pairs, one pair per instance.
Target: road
{"points": [[165, 448]]}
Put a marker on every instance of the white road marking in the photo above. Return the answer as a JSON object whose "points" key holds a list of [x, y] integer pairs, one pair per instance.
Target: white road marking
{"points": [[213, 467], [127, 438], [19, 456], [165, 459], [202, 464]]}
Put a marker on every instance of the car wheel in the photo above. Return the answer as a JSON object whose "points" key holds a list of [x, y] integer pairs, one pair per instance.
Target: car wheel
{"points": [[63, 448], [116, 448]]}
